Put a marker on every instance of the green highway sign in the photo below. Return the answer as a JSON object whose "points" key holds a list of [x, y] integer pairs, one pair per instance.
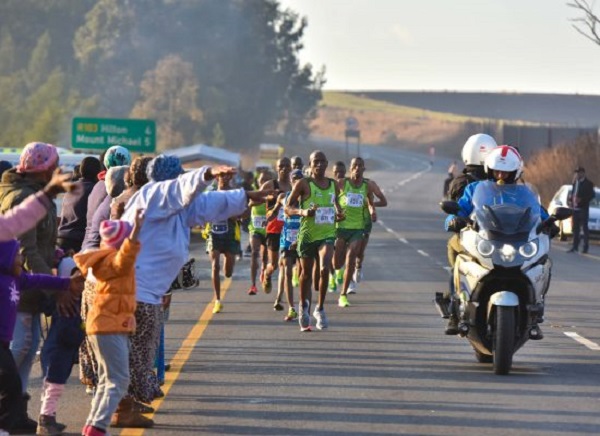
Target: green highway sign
{"points": [[102, 133]]}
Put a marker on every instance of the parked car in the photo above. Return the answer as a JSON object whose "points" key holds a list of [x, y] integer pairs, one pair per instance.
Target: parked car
{"points": [[566, 226]]}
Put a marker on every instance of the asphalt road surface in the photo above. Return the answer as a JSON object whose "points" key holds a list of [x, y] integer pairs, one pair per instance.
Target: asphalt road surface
{"points": [[384, 366]]}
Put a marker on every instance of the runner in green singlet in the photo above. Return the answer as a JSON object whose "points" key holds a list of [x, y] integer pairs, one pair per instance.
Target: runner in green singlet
{"points": [[355, 198], [379, 201], [258, 236], [318, 206]]}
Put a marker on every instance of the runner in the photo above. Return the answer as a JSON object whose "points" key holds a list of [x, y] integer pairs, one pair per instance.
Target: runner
{"points": [[380, 201], [275, 219], [319, 209], [339, 173], [289, 255], [223, 238], [355, 197], [258, 236]]}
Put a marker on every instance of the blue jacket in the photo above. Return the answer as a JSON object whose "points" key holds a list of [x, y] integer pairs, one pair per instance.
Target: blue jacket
{"points": [[466, 205]]}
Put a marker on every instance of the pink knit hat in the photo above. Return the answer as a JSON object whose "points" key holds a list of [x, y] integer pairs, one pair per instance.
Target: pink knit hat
{"points": [[114, 232], [37, 157]]}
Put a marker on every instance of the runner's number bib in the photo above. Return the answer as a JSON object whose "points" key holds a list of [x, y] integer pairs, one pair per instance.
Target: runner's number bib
{"points": [[259, 222], [354, 200], [220, 228], [325, 215], [291, 235]]}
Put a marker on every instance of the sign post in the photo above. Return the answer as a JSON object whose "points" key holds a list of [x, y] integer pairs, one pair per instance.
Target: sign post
{"points": [[101, 133], [352, 131]]}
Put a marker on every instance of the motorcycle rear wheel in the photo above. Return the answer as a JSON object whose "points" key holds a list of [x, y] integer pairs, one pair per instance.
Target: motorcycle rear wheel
{"points": [[504, 339]]}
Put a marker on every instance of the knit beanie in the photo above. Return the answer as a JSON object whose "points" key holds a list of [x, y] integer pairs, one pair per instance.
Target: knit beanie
{"points": [[115, 180], [116, 155], [37, 157], [114, 232], [164, 167]]}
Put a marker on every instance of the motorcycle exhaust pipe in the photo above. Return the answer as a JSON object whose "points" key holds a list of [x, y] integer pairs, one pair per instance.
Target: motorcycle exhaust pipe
{"points": [[442, 305]]}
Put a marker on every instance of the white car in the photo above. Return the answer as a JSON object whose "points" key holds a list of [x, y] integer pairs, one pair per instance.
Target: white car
{"points": [[566, 226]]}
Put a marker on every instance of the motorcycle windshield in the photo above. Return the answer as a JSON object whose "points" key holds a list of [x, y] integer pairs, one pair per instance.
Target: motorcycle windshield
{"points": [[507, 210]]}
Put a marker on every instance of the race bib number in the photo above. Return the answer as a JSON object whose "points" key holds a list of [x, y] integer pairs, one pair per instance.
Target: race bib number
{"points": [[259, 222], [354, 200], [291, 235], [220, 228], [281, 214], [325, 215]]}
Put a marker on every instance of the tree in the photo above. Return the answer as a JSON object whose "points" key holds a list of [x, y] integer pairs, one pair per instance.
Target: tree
{"points": [[168, 95], [588, 24]]}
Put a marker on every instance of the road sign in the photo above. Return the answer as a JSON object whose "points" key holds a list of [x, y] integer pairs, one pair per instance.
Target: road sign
{"points": [[351, 123], [102, 133]]}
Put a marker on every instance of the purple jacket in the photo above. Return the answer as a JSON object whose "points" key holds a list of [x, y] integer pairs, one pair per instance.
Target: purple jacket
{"points": [[11, 287]]}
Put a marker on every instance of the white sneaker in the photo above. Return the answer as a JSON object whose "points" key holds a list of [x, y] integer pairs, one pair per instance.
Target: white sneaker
{"points": [[352, 287], [321, 317]]}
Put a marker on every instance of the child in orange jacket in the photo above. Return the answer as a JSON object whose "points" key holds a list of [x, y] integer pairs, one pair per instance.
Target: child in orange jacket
{"points": [[111, 319]]}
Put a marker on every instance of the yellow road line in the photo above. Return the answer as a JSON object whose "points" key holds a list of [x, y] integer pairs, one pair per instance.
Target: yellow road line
{"points": [[181, 357]]}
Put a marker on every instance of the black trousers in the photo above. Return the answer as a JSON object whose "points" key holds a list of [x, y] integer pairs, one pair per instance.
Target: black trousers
{"points": [[11, 396], [580, 224]]}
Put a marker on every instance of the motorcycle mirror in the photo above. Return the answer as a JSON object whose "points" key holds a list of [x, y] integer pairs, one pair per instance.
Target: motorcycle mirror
{"points": [[450, 207], [562, 213]]}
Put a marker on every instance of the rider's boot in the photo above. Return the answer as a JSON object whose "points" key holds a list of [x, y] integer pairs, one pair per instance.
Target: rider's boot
{"points": [[452, 326]]}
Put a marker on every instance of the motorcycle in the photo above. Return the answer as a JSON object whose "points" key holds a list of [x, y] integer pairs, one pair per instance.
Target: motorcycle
{"points": [[502, 275]]}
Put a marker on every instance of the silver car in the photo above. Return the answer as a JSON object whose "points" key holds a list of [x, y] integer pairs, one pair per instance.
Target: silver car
{"points": [[566, 226]]}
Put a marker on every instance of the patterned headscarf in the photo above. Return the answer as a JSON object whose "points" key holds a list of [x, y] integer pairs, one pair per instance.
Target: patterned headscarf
{"points": [[164, 167], [37, 157], [116, 156]]}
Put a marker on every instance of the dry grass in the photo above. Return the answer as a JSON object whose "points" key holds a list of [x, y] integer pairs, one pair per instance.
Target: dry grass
{"points": [[550, 169]]}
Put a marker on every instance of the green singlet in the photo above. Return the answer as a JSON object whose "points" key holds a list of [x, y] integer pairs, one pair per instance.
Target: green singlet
{"points": [[353, 201], [258, 220], [320, 227]]}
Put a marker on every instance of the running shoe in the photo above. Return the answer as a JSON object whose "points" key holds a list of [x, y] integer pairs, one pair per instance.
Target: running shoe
{"points": [[218, 307], [352, 287], [252, 290], [358, 275], [332, 284], [339, 275], [292, 315], [304, 316], [321, 317], [277, 306], [343, 301], [267, 284], [295, 278]]}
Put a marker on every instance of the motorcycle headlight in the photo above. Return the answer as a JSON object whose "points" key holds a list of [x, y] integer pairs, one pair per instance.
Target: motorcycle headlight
{"points": [[528, 250], [485, 247]]}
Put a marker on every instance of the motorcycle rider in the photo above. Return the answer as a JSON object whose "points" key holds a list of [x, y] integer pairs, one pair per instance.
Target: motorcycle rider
{"points": [[473, 155], [504, 165]]}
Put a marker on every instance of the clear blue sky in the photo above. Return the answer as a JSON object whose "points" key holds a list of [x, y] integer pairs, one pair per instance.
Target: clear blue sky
{"points": [[455, 45]]}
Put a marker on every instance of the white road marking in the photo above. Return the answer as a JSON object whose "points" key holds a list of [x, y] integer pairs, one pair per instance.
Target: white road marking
{"points": [[422, 253], [591, 345]]}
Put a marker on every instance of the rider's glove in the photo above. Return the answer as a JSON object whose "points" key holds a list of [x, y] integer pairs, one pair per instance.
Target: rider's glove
{"points": [[551, 229], [457, 223]]}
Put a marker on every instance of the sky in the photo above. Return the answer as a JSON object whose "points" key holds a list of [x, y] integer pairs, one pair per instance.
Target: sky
{"points": [[449, 45]]}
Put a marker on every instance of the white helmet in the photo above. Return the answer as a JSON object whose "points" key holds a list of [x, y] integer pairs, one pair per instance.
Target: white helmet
{"points": [[476, 148], [504, 158]]}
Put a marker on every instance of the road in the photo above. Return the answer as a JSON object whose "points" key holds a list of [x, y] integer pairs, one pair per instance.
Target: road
{"points": [[384, 366]]}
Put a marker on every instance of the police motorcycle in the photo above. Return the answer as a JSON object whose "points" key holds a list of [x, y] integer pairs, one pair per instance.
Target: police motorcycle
{"points": [[503, 272]]}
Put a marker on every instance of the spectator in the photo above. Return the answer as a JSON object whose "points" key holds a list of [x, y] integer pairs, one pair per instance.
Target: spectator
{"points": [[73, 217], [25, 216], [36, 166], [4, 165], [582, 193]]}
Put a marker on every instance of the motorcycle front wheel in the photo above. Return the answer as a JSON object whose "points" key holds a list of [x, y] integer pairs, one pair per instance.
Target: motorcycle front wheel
{"points": [[504, 339]]}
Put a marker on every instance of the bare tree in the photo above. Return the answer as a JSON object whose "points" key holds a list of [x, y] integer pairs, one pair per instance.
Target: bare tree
{"points": [[589, 24]]}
